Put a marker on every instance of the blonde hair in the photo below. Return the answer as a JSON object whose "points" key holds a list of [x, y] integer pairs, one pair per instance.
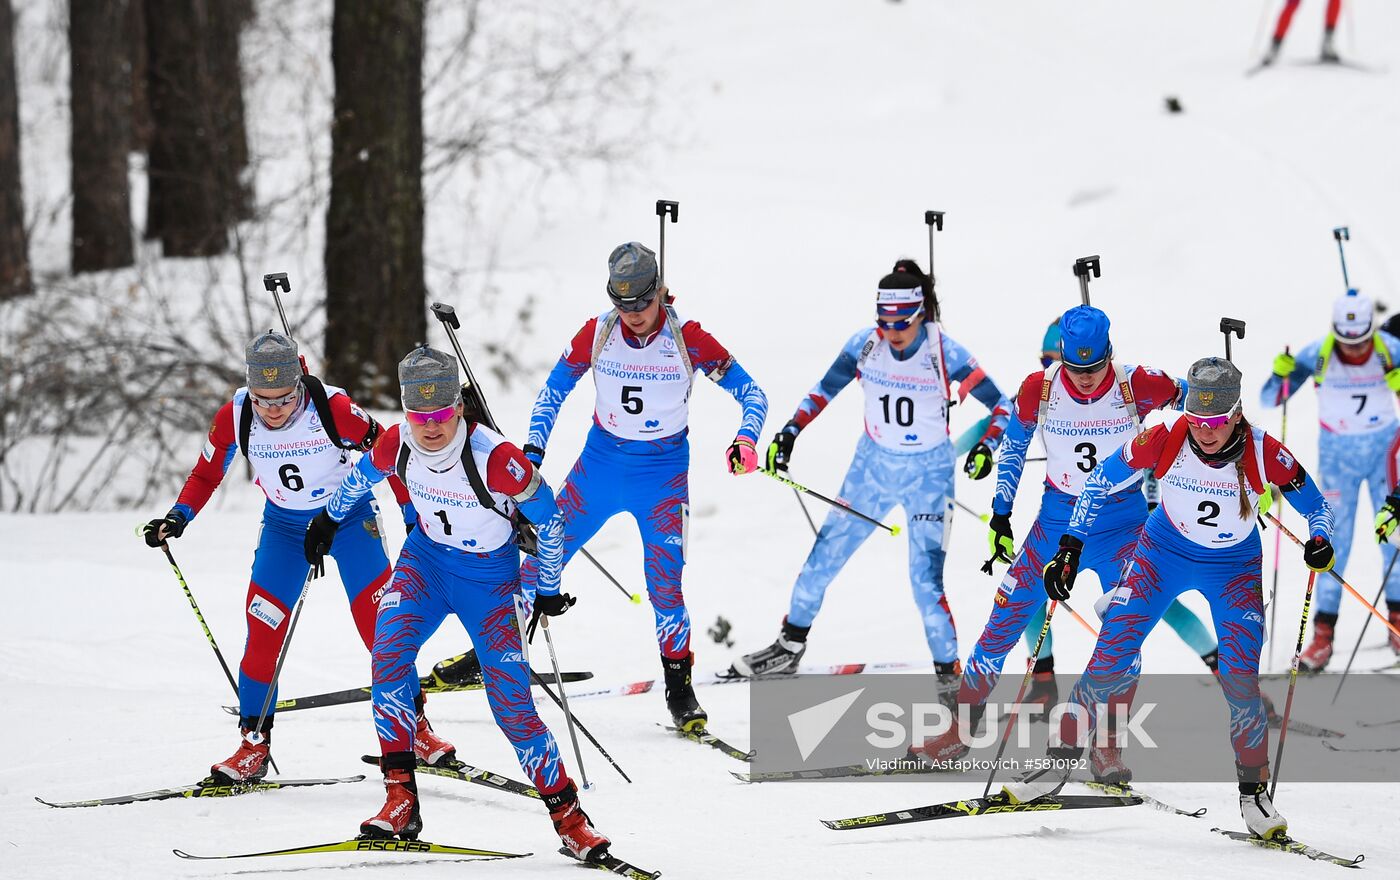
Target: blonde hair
{"points": [[1246, 509]]}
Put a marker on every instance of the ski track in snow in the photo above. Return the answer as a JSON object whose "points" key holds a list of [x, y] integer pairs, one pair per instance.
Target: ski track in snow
{"points": [[809, 137]]}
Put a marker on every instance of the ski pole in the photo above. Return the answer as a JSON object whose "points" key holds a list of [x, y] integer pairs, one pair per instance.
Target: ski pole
{"points": [[1292, 683], [636, 598], [1365, 623], [564, 701], [1278, 539], [208, 635], [664, 209], [1025, 683], [577, 723], [1348, 587], [282, 656], [1082, 267], [893, 530], [1082, 622], [802, 504], [984, 517], [1230, 326], [1341, 234]]}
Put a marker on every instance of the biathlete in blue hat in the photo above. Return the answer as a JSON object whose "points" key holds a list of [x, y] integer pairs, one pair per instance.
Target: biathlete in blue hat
{"points": [[904, 365], [1086, 407], [1183, 620]]}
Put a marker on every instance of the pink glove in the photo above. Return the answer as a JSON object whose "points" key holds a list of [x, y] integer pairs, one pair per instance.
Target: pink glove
{"points": [[742, 457]]}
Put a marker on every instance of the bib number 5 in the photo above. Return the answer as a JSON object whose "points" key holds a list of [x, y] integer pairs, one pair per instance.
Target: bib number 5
{"points": [[632, 399]]}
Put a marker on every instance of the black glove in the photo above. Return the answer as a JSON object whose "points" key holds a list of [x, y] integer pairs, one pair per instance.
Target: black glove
{"points": [[1062, 568], [780, 450], [320, 534], [553, 606], [157, 531], [979, 461], [1001, 538], [1318, 554], [534, 454]]}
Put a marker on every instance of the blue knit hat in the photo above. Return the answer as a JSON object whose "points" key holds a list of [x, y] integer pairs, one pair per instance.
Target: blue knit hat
{"points": [[1084, 339]]}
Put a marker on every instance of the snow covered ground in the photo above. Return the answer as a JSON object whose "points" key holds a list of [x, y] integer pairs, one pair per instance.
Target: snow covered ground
{"points": [[805, 141]]}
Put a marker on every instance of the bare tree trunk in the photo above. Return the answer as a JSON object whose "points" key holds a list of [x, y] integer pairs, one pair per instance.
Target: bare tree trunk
{"points": [[135, 29], [198, 145], [101, 84], [14, 245], [375, 291]]}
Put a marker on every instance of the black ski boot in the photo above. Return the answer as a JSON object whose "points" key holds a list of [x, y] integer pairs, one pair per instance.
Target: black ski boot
{"points": [[779, 658], [949, 680], [464, 669], [680, 695]]}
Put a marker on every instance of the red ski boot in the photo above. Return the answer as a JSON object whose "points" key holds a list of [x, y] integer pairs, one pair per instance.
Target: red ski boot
{"points": [[575, 829], [399, 817], [248, 764], [1106, 762], [428, 747], [1394, 618], [1315, 656]]}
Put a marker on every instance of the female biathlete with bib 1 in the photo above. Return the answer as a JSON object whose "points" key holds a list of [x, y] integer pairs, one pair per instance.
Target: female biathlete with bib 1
{"points": [[470, 487]]}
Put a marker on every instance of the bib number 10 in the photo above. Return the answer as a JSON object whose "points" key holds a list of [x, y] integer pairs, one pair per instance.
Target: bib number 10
{"points": [[903, 411]]}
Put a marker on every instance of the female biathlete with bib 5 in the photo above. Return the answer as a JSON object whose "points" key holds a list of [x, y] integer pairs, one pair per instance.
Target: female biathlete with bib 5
{"points": [[904, 364], [1214, 468], [471, 487], [1085, 406], [636, 460], [297, 434]]}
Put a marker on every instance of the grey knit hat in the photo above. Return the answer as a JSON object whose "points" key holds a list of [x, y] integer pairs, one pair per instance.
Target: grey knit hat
{"points": [[272, 361], [631, 271], [1213, 387], [428, 379]]}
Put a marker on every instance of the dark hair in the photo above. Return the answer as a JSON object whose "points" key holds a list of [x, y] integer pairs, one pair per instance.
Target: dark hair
{"points": [[910, 267]]}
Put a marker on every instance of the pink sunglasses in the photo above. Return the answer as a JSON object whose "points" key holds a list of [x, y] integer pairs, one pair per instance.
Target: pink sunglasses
{"points": [[437, 415], [1220, 421]]}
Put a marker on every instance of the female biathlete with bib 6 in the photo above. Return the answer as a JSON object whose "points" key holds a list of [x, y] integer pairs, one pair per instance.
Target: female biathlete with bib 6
{"points": [[471, 487], [1085, 406], [297, 434], [904, 364], [637, 459], [1214, 468]]}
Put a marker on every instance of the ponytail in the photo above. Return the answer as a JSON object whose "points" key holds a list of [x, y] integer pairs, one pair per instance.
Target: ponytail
{"points": [[1246, 509], [926, 284]]}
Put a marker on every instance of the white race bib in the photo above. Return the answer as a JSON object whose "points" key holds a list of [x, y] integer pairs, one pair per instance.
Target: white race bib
{"points": [[642, 393], [297, 466], [906, 403]]}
